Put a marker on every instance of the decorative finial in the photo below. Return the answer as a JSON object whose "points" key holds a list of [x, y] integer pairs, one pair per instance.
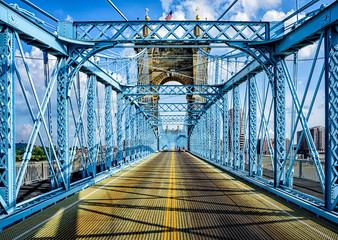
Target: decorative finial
{"points": [[147, 17], [197, 17]]}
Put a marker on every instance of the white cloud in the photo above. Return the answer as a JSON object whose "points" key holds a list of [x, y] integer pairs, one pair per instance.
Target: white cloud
{"points": [[254, 5], [25, 130], [240, 16], [274, 15], [127, 52], [69, 18], [243, 10], [307, 51], [166, 4]]}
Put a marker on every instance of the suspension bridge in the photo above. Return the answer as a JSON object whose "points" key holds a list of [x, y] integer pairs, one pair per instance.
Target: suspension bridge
{"points": [[173, 141]]}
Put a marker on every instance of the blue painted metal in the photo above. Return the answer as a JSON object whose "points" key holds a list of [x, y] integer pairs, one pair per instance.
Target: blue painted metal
{"points": [[331, 118], [225, 159], [108, 127], [63, 126], [176, 31], [279, 125], [263, 128], [138, 134], [132, 132], [289, 177], [308, 31], [236, 129], [252, 126], [77, 42], [146, 90], [38, 120], [7, 128], [212, 123], [119, 116], [49, 119], [313, 152], [32, 30], [293, 156], [91, 126], [127, 131], [218, 134]]}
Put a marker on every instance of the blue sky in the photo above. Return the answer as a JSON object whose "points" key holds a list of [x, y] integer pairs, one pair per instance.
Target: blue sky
{"points": [[132, 9], [182, 9]]}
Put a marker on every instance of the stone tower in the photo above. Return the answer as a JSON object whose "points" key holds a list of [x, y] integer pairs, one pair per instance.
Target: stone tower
{"points": [[175, 64]]}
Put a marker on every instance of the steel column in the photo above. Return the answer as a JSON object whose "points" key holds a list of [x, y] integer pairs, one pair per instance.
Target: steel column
{"points": [[132, 132], [108, 127], [119, 132], [127, 131], [138, 132], [331, 118], [7, 128], [91, 126], [236, 129], [218, 132], [225, 159], [252, 126], [63, 124], [279, 123], [212, 123]]}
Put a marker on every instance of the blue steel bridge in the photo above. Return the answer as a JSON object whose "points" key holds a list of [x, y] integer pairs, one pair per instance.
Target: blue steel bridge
{"points": [[196, 135]]}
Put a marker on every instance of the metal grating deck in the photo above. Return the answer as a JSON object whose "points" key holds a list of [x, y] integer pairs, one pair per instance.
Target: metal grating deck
{"points": [[172, 195]]}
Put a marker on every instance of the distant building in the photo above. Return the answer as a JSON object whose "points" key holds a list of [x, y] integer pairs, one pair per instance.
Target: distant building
{"points": [[318, 136], [265, 149], [231, 116]]}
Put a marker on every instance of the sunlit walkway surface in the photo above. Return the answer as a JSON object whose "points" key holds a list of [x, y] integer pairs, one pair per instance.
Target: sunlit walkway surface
{"points": [[172, 195]]}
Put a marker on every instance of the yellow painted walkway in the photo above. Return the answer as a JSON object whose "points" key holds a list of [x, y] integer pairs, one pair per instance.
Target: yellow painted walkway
{"points": [[172, 195]]}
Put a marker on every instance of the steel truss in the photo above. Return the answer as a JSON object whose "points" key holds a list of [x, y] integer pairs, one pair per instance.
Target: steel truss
{"points": [[132, 125], [157, 31]]}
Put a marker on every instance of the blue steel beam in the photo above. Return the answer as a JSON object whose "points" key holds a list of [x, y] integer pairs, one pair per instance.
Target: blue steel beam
{"points": [[7, 128], [279, 124], [331, 118], [302, 36], [34, 34], [173, 107], [132, 132], [143, 90], [225, 158], [102, 76], [63, 125], [31, 31], [307, 32], [91, 125], [252, 126], [236, 129], [164, 31], [212, 124], [119, 131], [242, 76], [108, 127], [127, 131]]}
